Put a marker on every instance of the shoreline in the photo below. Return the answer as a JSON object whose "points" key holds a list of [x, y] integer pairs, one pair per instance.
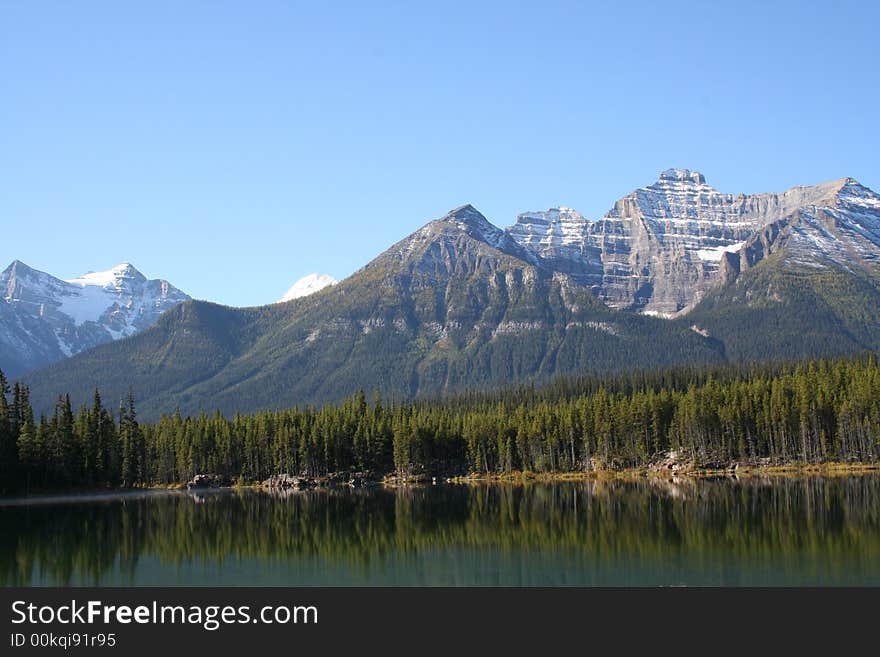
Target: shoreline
{"points": [[832, 469]]}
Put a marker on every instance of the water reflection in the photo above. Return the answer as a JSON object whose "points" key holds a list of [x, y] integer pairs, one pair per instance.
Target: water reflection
{"points": [[658, 532]]}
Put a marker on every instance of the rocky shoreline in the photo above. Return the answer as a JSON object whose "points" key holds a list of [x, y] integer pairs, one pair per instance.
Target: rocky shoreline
{"points": [[662, 470], [669, 464], [286, 481]]}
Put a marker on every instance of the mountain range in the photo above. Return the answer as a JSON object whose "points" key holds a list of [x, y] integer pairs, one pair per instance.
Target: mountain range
{"points": [[674, 273], [44, 319], [662, 247]]}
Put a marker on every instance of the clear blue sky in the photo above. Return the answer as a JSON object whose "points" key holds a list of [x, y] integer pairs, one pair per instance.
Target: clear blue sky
{"points": [[232, 147]]}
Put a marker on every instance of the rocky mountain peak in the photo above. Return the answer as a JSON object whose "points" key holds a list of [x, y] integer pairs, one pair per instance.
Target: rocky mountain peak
{"points": [[16, 267], [679, 193], [852, 191], [18, 280], [682, 175], [561, 214], [467, 214], [560, 237], [470, 220]]}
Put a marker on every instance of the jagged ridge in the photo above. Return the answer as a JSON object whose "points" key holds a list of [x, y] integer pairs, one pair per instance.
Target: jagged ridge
{"points": [[662, 247]]}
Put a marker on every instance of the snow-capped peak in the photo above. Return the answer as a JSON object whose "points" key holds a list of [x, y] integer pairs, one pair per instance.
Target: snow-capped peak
{"points": [[112, 278], [50, 318], [307, 285]]}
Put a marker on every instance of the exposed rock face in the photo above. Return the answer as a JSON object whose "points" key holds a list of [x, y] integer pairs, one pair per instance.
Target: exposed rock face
{"points": [[286, 480], [662, 244], [44, 319], [833, 224], [660, 248], [201, 481], [562, 238]]}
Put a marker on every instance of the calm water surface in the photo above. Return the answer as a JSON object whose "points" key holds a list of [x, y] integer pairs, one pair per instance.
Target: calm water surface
{"points": [[805, 531]]}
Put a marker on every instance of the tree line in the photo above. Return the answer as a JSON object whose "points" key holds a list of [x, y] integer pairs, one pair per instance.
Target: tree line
{"points": [[812, 412]]}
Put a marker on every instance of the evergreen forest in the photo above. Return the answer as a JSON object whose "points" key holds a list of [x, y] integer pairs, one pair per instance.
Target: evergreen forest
{"points": [[772, 414]]}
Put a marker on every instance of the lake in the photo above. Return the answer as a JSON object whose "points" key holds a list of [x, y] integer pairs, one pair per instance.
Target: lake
{"points": [[681, 532]]}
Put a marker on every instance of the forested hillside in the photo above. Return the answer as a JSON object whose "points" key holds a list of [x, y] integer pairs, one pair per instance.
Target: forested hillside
{"points": [[813, 412], [776, 311]]}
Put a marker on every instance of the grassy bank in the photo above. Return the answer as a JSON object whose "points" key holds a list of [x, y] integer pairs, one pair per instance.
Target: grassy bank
{"points": [[791, 469]]}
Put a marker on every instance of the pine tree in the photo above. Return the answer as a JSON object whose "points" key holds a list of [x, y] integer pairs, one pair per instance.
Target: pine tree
{"points": [[29, 452]]}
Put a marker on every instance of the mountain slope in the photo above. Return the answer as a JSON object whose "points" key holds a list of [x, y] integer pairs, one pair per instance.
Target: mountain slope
{"points": [[44, 319], [778, 310], [807, 283], [456, 305]]}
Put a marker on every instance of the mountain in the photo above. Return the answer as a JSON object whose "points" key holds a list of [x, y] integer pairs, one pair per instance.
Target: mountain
{"points": [[44, 319], [784, 309], [660, 249], [308, 285], [459, 304], [807, 283]]}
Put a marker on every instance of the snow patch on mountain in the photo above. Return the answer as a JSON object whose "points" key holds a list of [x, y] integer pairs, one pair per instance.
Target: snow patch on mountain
{"points": [[307, 285], [717, 252], [114, 277]]}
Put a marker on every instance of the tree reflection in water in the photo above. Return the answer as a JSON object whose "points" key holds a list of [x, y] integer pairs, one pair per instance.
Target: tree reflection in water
{"points": [[753, 531]]}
